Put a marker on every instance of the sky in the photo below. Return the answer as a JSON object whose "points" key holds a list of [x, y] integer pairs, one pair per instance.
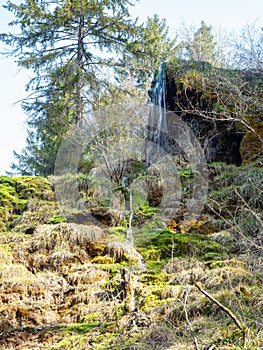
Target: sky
{"points": [[226, 14]]}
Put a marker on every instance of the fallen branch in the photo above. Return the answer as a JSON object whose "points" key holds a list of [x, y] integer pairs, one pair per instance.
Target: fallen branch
{"points": [[239, 324]]}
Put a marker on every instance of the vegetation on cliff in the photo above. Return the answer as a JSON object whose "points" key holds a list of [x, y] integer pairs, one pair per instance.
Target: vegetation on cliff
{"points": [[131, 264], [79, 286]]}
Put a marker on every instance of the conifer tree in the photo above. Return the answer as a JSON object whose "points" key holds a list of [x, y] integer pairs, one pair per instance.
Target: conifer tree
{"points": [[202, 47], [69, 45], [143, 56]]}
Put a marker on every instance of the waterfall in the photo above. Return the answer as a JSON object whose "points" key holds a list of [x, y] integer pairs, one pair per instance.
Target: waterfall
{"points": [[157, 135], [158, 115], [129, 234], [128, 209]]}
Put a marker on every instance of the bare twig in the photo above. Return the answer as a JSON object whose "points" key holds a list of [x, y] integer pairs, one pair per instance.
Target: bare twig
{"points": [[188, 321], [235, 227], [250, 210]]}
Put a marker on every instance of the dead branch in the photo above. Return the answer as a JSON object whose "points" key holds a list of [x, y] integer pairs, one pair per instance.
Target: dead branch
{"points": [[239, 324]]}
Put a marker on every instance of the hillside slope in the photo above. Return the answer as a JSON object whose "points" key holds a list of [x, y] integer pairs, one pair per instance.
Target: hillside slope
{"points": [[69, 285]]}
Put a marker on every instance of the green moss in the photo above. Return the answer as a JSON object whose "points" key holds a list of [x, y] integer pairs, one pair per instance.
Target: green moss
{"points": [[158, 245], [118, 233], [158, 289], [105, 202], [9, 203], [75, 341], [145, 212], [212, 256], [151, 278], [15, 192], [155, 245], [102, 260], [80, 328], [155, 265], [195, 244], [92, 318], [31, 186], [57, 219]]}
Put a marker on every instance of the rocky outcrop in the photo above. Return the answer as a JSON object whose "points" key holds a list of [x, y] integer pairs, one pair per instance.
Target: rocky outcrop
{"points": [[216, 104], [219, 139], [251, 145]]}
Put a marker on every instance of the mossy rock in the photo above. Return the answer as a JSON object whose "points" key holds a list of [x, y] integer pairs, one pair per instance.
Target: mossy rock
{"points": [[196, 245], [26, 186], [167, 243], [32, 186], [10, 204], [144, 212], [251, 146], [118, 233], [15, 192], [102, 260], [95, 249]]}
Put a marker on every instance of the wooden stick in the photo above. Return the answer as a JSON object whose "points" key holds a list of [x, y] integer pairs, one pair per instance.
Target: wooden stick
{"points": [[222, 307]]}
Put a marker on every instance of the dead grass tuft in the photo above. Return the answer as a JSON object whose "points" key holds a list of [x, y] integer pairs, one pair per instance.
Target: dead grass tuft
{"points": [[86, 275], [48, 237], [122, 251]]}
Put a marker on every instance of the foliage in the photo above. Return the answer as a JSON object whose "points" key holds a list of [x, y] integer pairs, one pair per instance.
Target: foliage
{"points": [[139, 62], [199, 46], [62, 285], [69, 46], [153, 46], [158, 245], [236, 198], [57, 219], [51, 116], [246, 47]]}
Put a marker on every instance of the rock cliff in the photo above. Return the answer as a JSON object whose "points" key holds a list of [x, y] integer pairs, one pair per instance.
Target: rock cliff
{"points": [[223, 107]]}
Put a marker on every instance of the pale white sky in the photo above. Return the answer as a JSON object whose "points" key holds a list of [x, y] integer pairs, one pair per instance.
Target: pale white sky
{"points": [[228, 14]]}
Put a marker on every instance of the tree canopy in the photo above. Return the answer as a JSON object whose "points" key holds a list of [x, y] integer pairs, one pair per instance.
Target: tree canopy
{"points": [[68, 45], [75, 50], [153, 46], [85, 54], [71, 35]]}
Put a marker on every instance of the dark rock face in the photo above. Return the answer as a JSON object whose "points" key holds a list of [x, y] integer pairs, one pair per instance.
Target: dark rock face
{"points": [[223, 107], [220, 139]]}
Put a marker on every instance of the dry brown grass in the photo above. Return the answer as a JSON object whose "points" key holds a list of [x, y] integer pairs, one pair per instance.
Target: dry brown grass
{"points": [[119, 251], [86, 274], [53, 246], [48, 237]]}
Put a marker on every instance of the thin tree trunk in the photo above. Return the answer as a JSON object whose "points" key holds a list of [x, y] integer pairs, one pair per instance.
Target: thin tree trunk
{"points": [[80, 82]]}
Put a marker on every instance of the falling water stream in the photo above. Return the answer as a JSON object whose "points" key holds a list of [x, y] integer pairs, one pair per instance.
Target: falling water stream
{"points": [[129, 215], [158, 124], [158, 98], [129, 211]]}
